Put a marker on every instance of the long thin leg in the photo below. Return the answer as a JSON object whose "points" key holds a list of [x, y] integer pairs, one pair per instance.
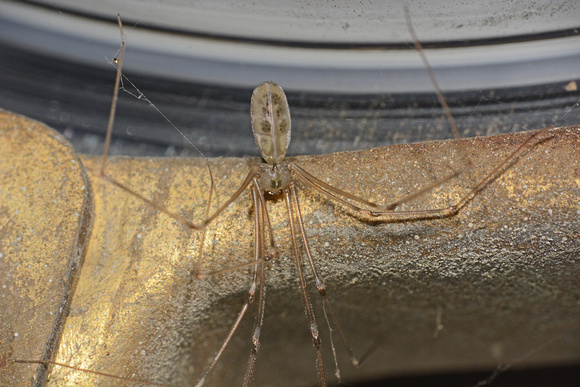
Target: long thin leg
{"points": [[209, 218], [46, 363], [259, 266], [179, 218], [368, 208], [267, 253], [251, 294], [307, 304], [112, 113], [386, 213], [259, 219], [258, 241], [271, 251], [197, 267], [435, 83], [318, 279], [105, 157], [113, 110]]}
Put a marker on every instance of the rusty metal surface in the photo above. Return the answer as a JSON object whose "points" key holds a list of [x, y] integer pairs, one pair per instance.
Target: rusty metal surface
{"points": [[496, 284], [45, 212]]}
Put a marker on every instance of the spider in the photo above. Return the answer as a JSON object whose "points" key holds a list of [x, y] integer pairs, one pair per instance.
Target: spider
{"points": [[278, 177]]}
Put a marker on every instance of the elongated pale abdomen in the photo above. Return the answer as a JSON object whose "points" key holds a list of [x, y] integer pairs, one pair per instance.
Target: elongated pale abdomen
{"points": [[271, 121]]}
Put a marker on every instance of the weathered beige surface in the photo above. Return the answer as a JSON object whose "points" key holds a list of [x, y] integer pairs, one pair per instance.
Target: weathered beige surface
{"points": [[45, 213], [500, 279], [502, 275]]}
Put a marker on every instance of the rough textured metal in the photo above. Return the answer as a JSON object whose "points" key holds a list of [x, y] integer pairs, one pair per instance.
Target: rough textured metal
{"points": [[45, 213], [496, 284]]}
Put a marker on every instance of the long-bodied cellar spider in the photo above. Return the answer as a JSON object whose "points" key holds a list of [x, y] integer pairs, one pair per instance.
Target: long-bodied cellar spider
{"points": [[260, 213]]}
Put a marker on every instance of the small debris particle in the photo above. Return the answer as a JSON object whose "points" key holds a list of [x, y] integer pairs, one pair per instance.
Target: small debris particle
{"points": [[571, 86]]}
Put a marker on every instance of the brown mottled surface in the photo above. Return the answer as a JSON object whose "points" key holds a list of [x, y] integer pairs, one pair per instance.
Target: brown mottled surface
{"points": [[497, 283]]}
